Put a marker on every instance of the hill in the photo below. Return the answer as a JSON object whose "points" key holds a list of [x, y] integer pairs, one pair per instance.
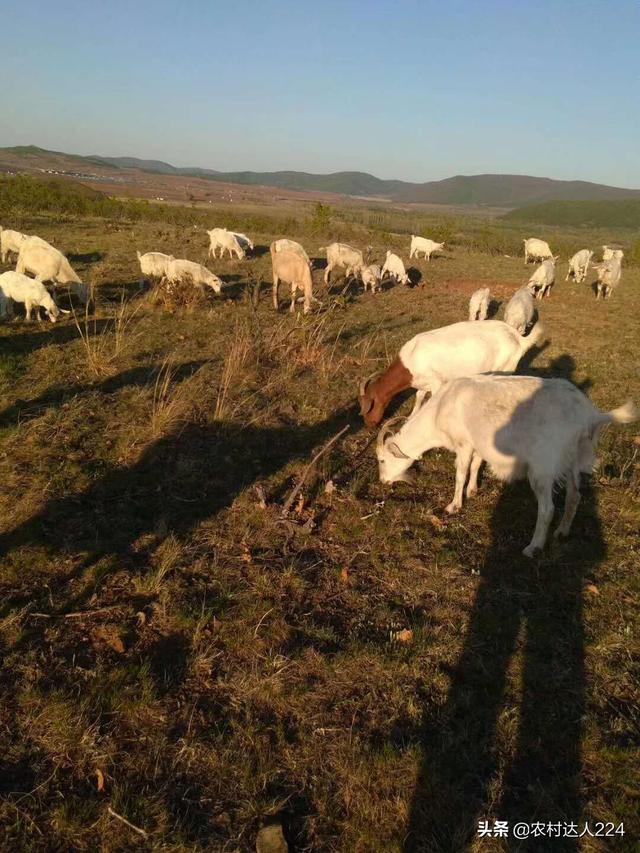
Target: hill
{"points": [[621, 213], [478, 190]]}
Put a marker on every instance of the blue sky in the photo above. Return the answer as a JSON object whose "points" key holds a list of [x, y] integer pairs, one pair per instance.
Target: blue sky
{"points": [[414, 90]]}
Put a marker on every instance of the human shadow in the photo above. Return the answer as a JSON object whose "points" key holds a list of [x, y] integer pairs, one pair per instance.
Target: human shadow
{"points": [[55, 396], [43, 334], [531, 611], [182, 479]]}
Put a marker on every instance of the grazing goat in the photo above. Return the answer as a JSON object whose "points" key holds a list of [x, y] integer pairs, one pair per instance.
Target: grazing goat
{"points": [[520, 313], [479, 304], [48, 264], [394, 267], [10, 241], [536, 250], [284, 245], [423, 244], [179, 270], [289, 267], [432, 358], [20, 288], [543, 278], [153, 266], [608, 253], [578, 265], [545, 430], [609, 274], [220, 238], [342, 255], [371, 276], [245, 242]]}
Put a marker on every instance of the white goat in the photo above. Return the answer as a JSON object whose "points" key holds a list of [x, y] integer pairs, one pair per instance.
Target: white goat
{"points": [[371, 276], [284, 245], [578, 265], [342, 255], [432, 358], [536, 250], [479, 304], [20, 288], [291, 268], [179, 270], [220, 238], [520, 313], [609, 253], [47, 263], [544, 430], [10, 241], [394, 267], [423, 244], [153, 265], [245, 242], [543, 278], [609, 274]]}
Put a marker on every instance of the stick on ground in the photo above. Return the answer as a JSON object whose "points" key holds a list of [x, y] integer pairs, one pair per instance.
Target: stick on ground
{"points": [[305, 473]]}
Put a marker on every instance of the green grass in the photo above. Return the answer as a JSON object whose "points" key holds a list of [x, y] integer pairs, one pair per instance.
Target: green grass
{"points": [[593, 214], [161, 624]]}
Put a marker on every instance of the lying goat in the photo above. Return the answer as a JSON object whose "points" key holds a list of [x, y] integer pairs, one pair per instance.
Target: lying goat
{"points": [[431, 358], [543, 429]]}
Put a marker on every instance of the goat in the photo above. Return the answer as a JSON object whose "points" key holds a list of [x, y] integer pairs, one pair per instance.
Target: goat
{"points": [[609, 274], [423, 244], [432, 358], [290, 267], [520, 313], [394, 267], [479, 304], [342, 255], [536, 250], [371, 276], [20, 288], [543, 278], [10, 241], [578, 265], [545, 430]]}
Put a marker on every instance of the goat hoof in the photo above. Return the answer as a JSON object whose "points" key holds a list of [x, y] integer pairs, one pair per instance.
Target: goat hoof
{"points": [[452, 508], [531, 551]]}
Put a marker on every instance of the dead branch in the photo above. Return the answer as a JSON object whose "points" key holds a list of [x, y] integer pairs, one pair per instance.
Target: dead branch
{"points": [[132, 826], [305, 473]]}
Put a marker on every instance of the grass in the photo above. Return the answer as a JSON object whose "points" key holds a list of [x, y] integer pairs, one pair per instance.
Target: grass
{"points": [[595, 214], [219, 665]]}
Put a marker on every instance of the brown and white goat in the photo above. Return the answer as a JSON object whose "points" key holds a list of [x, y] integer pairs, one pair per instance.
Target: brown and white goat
{"points": [[432, 358]]}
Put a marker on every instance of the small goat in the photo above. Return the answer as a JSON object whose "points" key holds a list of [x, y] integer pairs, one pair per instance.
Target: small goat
{"points": [[479, 304], [371, 276], [543, 278], [520, 312], [394, 268], [544, 430], [20, 288]]}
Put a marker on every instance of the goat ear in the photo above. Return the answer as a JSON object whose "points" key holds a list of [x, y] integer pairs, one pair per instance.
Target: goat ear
{"points": [[366, 404], [393, 448]]}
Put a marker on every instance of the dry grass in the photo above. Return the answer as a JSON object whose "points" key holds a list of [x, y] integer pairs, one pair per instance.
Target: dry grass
{"points": [[354, 670]]}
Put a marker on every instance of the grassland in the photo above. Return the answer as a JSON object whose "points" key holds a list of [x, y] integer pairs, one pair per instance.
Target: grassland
{"points": [[594, 214], [371, 674]]}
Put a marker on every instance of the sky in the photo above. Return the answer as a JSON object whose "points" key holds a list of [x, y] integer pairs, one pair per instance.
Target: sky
{"points": [[413, 89]]}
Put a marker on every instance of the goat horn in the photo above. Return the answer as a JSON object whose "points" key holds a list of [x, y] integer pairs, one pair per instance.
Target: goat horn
{"points": [[386, 429], [364, 382]]}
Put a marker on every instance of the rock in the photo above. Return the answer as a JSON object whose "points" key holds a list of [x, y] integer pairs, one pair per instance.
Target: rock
{"points": [[271, 840]]}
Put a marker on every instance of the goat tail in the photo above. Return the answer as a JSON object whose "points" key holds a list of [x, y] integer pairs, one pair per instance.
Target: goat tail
{"points": [[138, 254], [625, 414], [537, 334]]}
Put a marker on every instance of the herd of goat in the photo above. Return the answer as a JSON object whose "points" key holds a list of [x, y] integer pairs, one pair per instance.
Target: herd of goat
{"points": [[544, 430]]}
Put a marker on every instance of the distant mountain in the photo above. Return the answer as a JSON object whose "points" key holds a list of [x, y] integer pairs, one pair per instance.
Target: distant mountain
{"points": [[507, 191]]}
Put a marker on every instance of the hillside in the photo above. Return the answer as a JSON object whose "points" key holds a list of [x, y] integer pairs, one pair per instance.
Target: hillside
{"points": [[624, 213], [478, 190]]}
